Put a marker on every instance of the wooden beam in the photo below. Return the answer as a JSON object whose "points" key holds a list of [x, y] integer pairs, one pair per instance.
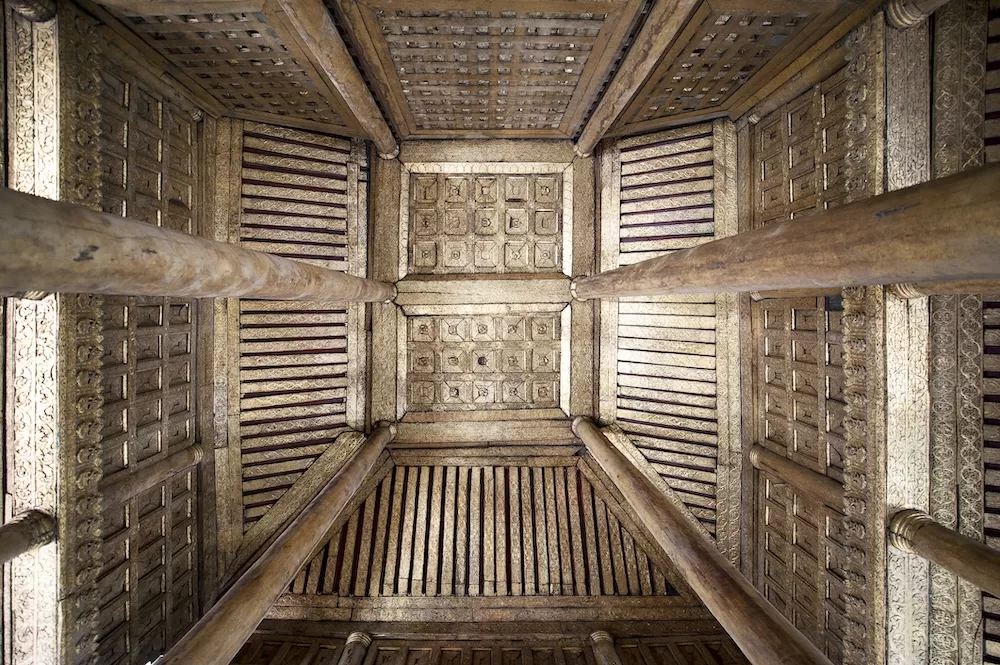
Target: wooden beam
{"points": [[917, 532], [941, 230], [219, 635], [355, 648], [604, 648], [122, 486], [57, 247], [317, 33], [761, 632], [166, 7], [661, 27], [821, 487]]}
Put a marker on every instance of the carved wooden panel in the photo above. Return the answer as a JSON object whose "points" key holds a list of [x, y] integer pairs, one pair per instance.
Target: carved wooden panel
{"points": [[524, 69], [680, 650], [799, 153], [485, 531], [799, 412], [299, 199], [665, 347], [483, 362], [242, 61], [726, 54], [149, 581], [264, 649], [485, 223]]}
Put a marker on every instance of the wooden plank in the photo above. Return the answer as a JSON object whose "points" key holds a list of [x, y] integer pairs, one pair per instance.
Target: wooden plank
{"points": [[410, 506], [476, 511], [392, 551], [364, 568], [489, 534], [463, 534], [448, 551], [541, 530], [526, 517], [500, 500], [514, 520], [434, 549], [552, 532], [573, 491]]}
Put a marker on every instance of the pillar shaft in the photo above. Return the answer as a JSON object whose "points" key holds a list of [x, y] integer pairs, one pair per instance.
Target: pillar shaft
{"points": [[24, 532], [57, 247], [822, 488], [604, 648], [761, 632], [355, 649], [917, 532], [122, 486], [219, 635], [941, 230]]}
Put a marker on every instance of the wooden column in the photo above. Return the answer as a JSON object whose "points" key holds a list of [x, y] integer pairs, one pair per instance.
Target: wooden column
{"points": [[822, 488], [57, 247], [904, 14], [604, 648], [24, 532], [941, 230], [761, 632], [354, 649], [219, 635], [122, 486], [917, 532]]}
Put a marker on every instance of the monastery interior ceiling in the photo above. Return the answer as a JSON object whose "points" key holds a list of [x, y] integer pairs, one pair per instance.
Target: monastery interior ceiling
{"points": [[418, 471]]}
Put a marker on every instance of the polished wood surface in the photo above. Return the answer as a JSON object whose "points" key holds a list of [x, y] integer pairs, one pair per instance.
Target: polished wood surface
{"points": [[944, 230], [122, 486], [764, 636], [56, 247]]}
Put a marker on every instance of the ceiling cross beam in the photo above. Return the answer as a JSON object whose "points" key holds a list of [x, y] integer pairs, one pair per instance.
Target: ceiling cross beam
{"points": [[315, 30]]}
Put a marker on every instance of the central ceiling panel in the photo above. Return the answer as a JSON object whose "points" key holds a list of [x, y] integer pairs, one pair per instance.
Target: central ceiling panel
{"points": [[517, 69]]}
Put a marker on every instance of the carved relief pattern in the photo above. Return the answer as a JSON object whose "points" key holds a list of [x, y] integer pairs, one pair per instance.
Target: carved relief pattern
{"points": [[485, 223], [725, 52], [489, 69], [493, 531], [908, 158], [800, 405], [461, 363], [148, 579], [81, 345], [960, 31], [32, 361], [240, 60]]}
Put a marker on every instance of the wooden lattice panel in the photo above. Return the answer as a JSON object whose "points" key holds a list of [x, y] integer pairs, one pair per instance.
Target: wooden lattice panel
{"points": [[485, 531], [799, 153], [799, 405], [485, 223], [149, 583], [521, 69], [243, 62]]}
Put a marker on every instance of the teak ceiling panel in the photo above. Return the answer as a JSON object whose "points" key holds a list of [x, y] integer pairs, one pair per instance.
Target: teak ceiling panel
{"points": [[249, 62], [528, 69], [727, 52]]}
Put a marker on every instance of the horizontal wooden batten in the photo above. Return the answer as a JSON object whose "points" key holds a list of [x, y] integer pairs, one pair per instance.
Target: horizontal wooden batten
{"points": [[554, 289]]}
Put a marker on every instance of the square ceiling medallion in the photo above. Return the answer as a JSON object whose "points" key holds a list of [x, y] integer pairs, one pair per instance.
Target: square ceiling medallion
{"points": [[479, 68]]}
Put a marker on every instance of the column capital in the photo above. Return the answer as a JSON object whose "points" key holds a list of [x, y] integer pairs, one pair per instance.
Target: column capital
{"points": [[360, 638], [903, 527], [601, 636]]}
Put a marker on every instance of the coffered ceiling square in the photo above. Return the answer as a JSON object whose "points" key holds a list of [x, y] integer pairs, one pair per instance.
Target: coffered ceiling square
{"points": [[519, 68]]}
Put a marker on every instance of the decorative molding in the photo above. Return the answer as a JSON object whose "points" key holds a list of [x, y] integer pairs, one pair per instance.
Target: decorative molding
{"points": [[36, 11], [80, 347]]}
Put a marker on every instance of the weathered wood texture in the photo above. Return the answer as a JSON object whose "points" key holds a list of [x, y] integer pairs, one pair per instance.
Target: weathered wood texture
{"points": [[729, 55], [284, 649], [525, 70], [991, 459], [665, 352], [298, 193], [150, 577], [239, 57], [221, 632], [762, 633], [992, 127], [485, 531]]}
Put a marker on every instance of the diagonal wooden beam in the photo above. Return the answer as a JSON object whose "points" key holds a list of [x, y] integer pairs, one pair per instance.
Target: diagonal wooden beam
{"points": [[317, 33], [662, 25]]}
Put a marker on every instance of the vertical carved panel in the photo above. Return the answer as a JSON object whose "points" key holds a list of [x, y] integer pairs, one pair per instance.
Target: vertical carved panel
{"points": [[148, 588]]}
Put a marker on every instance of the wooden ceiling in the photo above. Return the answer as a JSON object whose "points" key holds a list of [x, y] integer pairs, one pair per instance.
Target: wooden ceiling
{"points": [[522, 68], [476, 69]]}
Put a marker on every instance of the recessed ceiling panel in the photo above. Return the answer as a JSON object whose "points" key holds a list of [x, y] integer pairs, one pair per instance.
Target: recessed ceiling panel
{"points": [[482, 68]]}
